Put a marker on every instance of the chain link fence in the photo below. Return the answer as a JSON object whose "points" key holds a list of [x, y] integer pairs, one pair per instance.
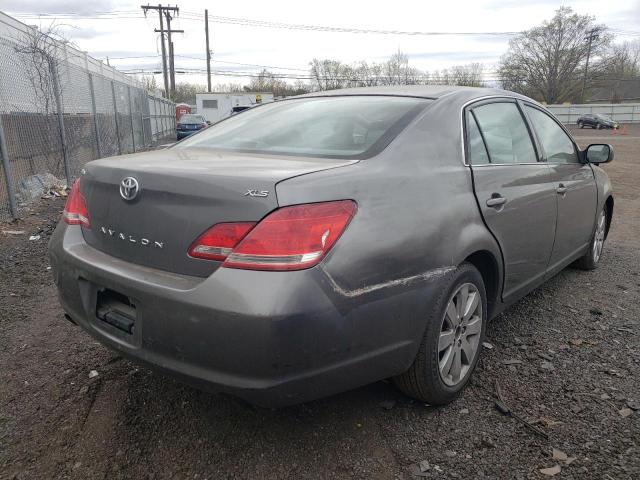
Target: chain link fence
{"points": [[56, 114]]}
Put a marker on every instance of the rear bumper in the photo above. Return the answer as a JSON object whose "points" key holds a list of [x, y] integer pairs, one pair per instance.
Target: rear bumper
{"points": [[271, 338]]}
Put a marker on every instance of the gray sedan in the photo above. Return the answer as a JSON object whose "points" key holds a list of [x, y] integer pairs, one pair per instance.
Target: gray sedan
{"points": [[312, 245]]}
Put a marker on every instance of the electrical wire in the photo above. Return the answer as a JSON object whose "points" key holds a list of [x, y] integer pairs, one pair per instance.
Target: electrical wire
{"points": [[187, 15]]}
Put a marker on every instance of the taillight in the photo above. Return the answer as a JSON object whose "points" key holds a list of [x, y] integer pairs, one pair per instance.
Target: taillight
{"points": [[75, 211], [218, 242], [292, 238]]}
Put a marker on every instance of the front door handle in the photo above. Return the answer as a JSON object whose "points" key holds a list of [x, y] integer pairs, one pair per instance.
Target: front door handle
{"points": [[496, 201], [561, 190]]}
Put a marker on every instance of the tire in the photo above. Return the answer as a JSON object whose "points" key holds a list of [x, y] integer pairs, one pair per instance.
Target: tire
{"points": [[599, 126], [589, 261], [424, 380], [580, 125]]}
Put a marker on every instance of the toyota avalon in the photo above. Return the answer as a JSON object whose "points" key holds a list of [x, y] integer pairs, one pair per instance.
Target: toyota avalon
{"points": [[316, 244]]}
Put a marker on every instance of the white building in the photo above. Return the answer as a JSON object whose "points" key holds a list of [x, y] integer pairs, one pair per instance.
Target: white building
{"points": [[217, 106]]}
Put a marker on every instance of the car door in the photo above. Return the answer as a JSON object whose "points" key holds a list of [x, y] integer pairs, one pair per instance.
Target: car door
{"points": [[514, 191], [575, 186]]}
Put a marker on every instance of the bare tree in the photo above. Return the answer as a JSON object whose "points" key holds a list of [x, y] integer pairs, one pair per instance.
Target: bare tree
{"points": [[149, 83], [330, 74], [39, 52], [396, 71], [623, 60], [186, 92], [469, 75], [267, 81], [227, 87], [548, 62], [621, 73]]}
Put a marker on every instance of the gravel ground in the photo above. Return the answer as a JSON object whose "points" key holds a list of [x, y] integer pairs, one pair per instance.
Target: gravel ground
{"points": [[565, 357]]}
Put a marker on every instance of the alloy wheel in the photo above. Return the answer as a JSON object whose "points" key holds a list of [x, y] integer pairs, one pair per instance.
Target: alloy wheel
{"points": [[460, 334]]}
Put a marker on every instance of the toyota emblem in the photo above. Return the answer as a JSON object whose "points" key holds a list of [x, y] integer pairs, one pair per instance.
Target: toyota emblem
{"points": [[129, 188]]}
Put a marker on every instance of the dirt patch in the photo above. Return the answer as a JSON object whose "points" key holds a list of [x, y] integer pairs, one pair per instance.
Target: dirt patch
{"points": [[565, 357]]}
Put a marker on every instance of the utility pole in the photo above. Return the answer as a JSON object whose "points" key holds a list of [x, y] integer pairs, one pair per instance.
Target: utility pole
{"points": [[206, 32], [593, 35], [172, 70], [162, 10]]}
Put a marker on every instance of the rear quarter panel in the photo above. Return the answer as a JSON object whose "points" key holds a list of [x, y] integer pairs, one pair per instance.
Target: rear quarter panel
{"points": [[417, 215]]}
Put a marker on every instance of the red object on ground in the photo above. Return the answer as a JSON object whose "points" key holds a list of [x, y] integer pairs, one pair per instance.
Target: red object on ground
{"points": [[181, 109]]}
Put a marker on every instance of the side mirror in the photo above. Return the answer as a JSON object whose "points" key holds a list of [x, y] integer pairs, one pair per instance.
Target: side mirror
{"points": [[599, 153]]}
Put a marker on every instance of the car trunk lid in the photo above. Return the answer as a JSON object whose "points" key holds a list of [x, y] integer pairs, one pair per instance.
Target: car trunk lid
{"points": [[181, 193]]}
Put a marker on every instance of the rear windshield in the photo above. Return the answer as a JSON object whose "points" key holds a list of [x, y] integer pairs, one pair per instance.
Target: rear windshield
{"points": [[191, 119], [333, 127]]}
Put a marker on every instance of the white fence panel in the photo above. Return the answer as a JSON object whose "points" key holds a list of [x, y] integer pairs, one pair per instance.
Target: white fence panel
{"points": [[620, 112]]}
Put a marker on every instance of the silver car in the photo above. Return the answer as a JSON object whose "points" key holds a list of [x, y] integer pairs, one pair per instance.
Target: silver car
{"points": [[323, 242]]}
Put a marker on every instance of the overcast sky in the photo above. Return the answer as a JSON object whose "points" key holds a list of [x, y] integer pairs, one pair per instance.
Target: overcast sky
{"points": [[129, 34]]}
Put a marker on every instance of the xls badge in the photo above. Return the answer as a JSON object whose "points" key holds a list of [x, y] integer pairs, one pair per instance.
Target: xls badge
{"points": [[256, 193]]}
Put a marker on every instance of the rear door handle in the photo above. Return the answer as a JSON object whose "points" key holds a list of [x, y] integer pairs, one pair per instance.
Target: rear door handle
{"points": [[496, 201], [561, 190]]}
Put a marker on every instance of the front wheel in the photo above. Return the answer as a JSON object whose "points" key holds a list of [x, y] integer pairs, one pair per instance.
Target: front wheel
{"points": [[580, 125], [452, 340], [599, 126], [590, 259]]}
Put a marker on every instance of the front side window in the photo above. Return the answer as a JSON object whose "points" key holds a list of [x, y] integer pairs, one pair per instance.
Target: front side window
{"points": [[505, 133], [335, 127], [557, 145]]}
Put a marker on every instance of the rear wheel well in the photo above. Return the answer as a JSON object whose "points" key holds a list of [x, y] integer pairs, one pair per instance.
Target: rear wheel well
{"points": [[487, 265], [608, 204]]}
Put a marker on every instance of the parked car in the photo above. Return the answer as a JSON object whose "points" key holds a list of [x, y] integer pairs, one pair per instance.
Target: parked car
{"points": [[596, 121], [327, 241], [189, 124]]}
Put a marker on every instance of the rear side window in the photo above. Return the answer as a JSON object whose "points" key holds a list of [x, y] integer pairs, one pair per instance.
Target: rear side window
{"points": [[505, 133], [334, 127], [477, 150], [557, 145]]}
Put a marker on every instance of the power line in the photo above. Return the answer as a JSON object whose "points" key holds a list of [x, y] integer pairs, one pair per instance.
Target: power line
{"points": [[261, 23], [200, 71], [127, 14], [486, 77], [247, 64], [322, 28], [133, 57]]}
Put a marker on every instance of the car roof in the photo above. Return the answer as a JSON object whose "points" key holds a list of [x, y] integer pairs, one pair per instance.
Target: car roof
{"points": [[425, 91], [458, 95]]}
